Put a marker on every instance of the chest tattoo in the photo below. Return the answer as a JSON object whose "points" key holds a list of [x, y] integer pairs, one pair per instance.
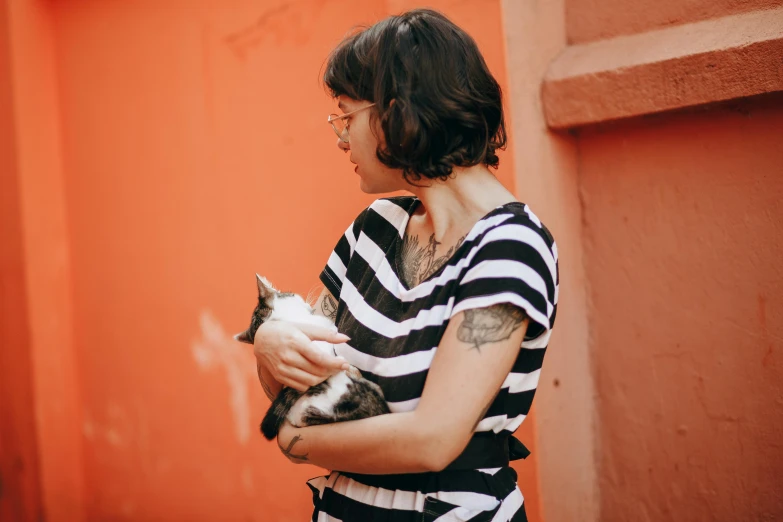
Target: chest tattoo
{"points": [[416, 261]]}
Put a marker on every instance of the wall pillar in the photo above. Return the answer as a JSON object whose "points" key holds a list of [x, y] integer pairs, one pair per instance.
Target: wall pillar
{"points": [[38, 367], [547, 180]]}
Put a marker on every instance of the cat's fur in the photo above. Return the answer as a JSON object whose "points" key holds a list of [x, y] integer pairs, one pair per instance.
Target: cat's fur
{"points": [[343, 396]]}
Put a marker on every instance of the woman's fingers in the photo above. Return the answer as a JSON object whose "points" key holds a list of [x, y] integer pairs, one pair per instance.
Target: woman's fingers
{"points": [[329, 363], [299, 379], [322, 357], [319, 333], [298, 386], [300, 362]]}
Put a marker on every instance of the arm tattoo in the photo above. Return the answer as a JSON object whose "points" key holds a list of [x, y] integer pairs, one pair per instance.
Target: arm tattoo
{"points": [[489, 325], [417, 263], [329, 307], [291, 456], [264, 385]]}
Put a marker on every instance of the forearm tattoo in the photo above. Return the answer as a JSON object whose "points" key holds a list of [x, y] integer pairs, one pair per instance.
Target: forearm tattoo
{"points": [[329, 307], [264, 385], [418, 262], [482, 326], [288, 452]]}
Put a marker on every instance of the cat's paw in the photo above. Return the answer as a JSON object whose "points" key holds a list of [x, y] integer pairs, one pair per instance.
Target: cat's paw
{"points": [[354, 372]]}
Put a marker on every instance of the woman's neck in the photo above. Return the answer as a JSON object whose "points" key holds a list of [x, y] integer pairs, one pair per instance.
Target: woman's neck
{"points": [[456, 204]]}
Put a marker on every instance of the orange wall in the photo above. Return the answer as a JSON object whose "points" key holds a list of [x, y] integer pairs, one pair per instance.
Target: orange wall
{"points": [[186, 149], [547, 177], [588, 20], [46, 251], [19, 476], [43, 442], [661, 395], [681, 225], [682, 245], [154, 156]]}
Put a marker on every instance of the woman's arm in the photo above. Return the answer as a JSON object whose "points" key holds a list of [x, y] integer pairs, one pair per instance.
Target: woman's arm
{"points": [[476, 353], [326, 305]]}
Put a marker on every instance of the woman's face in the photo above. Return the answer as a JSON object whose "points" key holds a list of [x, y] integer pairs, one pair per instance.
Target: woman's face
{"points": [[374, 176]]}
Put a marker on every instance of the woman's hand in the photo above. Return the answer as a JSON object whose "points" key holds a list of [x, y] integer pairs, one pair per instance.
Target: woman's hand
{"points": [[286, 350]]}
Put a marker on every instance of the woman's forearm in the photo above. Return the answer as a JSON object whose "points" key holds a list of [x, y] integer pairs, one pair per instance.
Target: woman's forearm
{"points": [[268, 383], [386, 444]]}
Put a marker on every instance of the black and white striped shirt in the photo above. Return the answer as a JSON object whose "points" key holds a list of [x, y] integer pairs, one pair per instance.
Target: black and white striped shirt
{"points": [[507, 257]]}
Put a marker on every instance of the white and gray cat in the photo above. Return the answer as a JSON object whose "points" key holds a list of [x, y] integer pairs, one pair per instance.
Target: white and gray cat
{"points": [[343, 396]]}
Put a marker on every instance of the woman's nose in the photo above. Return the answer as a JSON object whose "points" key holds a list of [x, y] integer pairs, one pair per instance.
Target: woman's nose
{"points": [[343, 146]]}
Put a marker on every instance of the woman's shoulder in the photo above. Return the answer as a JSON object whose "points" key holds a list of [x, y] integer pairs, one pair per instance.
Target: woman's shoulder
{"points": [[383, 216], [392, 211], [392, 204], [402, 202], [516, 219]]}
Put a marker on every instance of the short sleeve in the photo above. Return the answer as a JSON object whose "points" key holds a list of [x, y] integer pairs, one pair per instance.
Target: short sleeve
{"points": [[333, 273], [516, 263]]}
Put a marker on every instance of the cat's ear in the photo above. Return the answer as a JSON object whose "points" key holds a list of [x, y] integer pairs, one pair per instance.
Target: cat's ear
{"points": [[244, 337], [265, 288]]}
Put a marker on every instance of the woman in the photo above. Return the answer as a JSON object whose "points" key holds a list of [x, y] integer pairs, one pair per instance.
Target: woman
{"points": [[446, 298]]}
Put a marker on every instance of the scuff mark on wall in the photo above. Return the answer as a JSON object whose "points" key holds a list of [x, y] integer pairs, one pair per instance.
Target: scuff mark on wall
{"points": [[217, 349], [293, 20], [114, 427], [124, 428]]}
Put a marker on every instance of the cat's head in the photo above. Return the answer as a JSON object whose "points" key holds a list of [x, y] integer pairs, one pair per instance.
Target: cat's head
{"points": [[272, 304]]}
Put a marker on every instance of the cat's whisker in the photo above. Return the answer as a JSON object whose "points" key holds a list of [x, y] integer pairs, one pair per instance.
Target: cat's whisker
{"points": [[309, 299]]}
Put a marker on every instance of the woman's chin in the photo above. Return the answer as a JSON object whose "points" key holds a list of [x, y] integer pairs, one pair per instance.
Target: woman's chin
{"points": [[364, 188], [376, 186]]}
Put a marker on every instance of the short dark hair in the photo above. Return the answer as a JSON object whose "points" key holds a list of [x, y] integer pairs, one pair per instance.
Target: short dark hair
{"points": [[438, 104]]}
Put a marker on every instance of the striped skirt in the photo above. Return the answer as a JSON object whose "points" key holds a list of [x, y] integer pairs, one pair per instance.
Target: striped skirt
{"points": [[485, 495]]}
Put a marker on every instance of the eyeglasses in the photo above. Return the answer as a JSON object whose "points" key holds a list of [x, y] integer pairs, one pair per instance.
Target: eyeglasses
{"points": [[340, 123]]}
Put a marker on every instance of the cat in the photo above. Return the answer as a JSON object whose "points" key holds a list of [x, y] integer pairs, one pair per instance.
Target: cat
{"points": [[343, 396]]}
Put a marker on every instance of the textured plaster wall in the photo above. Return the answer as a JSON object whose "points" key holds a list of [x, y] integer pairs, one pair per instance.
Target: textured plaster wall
{"points": [[47, 259], [547, 180], [588, 20], [683, 245], [670, 68], [20, 488]]}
